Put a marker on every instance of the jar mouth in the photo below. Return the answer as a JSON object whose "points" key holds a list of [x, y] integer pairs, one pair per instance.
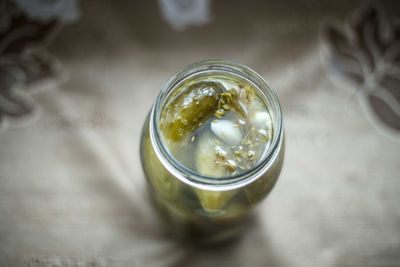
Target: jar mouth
{"points": [[190, 176]]}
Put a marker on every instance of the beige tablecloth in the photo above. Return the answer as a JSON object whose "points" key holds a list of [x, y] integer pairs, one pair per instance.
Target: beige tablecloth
{"points": [[72, 190]]}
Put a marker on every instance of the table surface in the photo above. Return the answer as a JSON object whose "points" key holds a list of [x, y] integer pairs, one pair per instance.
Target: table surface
{"points": [[72, 191]]}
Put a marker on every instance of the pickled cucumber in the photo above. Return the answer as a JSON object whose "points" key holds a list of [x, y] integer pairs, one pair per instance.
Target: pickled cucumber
{"points": [[214, 201], [161, 180], [207, 164], [190, 109], [206, 159]]}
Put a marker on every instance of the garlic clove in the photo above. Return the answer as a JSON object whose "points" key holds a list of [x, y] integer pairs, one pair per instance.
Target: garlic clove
{"points": [[229, 85], [261, 120], [226, 131]]}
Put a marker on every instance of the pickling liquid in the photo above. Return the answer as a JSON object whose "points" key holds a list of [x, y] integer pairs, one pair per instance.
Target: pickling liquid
{"points": [[216, 127]]}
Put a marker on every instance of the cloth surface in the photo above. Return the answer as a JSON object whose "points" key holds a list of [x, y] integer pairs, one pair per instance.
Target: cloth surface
{"points": [[72, 190]]}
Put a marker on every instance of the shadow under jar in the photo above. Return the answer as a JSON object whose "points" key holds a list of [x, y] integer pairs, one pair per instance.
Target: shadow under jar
{"points": [[212, 148]]}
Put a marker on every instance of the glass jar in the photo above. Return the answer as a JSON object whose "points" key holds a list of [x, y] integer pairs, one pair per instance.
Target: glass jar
{"points": [[198, 206]]}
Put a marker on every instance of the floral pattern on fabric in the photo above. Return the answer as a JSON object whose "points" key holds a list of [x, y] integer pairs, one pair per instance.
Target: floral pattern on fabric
{"points": [[365, 51], [25, 67]]}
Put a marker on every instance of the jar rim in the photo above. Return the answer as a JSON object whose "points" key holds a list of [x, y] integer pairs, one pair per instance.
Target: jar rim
{"points": [[190, 176]]}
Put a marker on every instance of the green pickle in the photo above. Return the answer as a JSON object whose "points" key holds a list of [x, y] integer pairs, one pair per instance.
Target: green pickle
{"points": [[190, 109], [218, 127]]}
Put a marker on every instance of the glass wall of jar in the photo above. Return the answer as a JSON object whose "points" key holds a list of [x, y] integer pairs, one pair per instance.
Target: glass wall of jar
{"points": [[212, 148]]}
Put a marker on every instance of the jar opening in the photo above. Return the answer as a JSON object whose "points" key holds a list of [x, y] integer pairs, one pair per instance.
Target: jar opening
{"points": [[201, 71]]}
